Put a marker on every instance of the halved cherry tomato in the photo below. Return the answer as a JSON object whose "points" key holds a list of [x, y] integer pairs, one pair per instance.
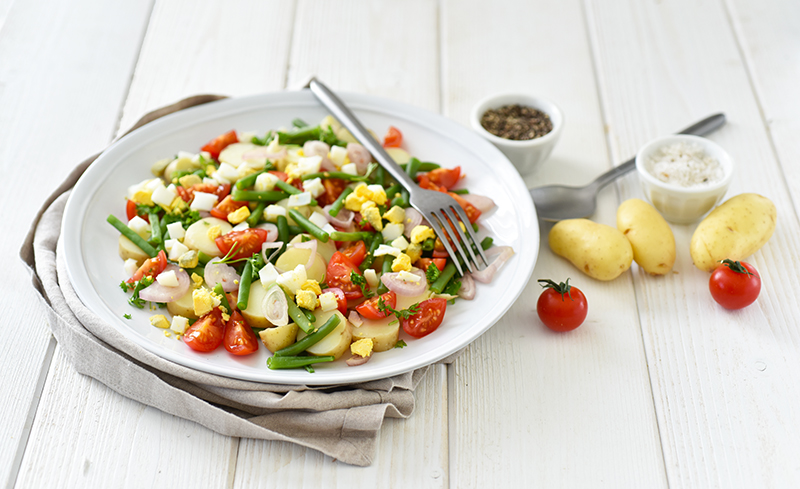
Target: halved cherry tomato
{"points": [[216, 145], [427, 319], [361, 223], [206, 333], [130, 210], [426, 183], [338, 275], [393, 138], [281, 175], [333, 189], [356, 252], [228, 205], [424, 263], [151, 267], [445, 177], [369, 308], [239, 337], [187, 194], [473, 214], [341, 300], [247, 241]]}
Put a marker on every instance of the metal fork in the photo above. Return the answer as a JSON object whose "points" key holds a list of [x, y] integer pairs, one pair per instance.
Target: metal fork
{"points": [[441, 211]]}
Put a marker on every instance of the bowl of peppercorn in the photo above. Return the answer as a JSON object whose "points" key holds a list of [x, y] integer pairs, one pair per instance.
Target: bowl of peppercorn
{"points": [[523, 127]]}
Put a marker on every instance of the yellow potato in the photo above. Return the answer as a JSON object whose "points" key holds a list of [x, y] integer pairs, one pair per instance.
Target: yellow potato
{"points": [[183, 306], [127, 249], [734, 230], [337, 342], [197, 235], [384, 335], [597, 250], [279, 337], [254, 313], [299, 256], [649, 234]]}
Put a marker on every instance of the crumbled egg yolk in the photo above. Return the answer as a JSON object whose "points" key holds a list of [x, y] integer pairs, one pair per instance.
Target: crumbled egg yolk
{"points": [[197, 280], [239, 215], [364, 193], [143, 196], [178, 205], [395, 215], [306, 299], [293, 171], [421, 233], [401, 263], [187, 181], [190, 259], [362, 347], [159, 321], [372, 215], [311, 285], [214, 232], [203, 301]]}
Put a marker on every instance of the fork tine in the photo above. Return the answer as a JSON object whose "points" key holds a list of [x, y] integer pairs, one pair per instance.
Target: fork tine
{"points": [[473, 238], [463, 242], [433, 220]]}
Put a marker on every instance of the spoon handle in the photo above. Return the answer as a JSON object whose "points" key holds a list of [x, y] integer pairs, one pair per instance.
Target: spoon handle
{"points": [[707, 125]]}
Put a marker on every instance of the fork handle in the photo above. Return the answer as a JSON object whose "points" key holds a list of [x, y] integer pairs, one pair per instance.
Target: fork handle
{"points": [[340, 111]]}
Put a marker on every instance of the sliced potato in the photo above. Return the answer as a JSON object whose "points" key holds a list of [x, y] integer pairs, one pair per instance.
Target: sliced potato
{"points": [[325, 249], [384, 335], [232, 154], [279, 337], [183, 306], [179, 164], [299, 256], [254, 314], [197, 235], [399, 155], [337, 342], [127, 249]]}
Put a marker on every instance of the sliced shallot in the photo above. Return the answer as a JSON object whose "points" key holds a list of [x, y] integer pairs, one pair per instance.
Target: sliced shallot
{"points": [[467, 290], [161, 293], [357, 360], [319, 148], [355, 318], [412, 220], [343, 219], [272, 231], [487, 274], [263, 154], [276, 309], [220, 273], [360, 156], [401, 287], [308, 245], [481, 202], [275, 245]]}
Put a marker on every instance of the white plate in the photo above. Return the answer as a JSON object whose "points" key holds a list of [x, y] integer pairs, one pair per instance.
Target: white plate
{"points": [[95, 268]]}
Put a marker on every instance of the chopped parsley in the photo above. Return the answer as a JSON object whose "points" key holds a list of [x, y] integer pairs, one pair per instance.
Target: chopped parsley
{"points": [[401, 314], [126, 316], [362, 283], [432, 273], [136, 287], [400, 344]]}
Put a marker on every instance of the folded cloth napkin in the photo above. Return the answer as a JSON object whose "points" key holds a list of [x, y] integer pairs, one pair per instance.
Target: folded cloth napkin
{"points": [[340, 421]]}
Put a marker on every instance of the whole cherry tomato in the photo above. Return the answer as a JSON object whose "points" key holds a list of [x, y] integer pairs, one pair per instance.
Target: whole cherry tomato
{"points": [[734, 284], [561, 307]]}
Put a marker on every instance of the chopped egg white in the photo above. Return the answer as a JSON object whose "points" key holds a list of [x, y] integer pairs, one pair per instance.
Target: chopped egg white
{"points": [[328, 302], [140, 227], [164, 195], [337, 155], [168, 279], [175, 230], [318, 219], [400, 243], [177, 250], [228, 172], [314, 187], [298, 200], [241, 226], [372, 277], [272, 212], [203, 201], [131, 266], [293, 279], [387, 250], [350, 168], [392, 231], [179, 324], [309, 164], [266, 182], [268, 275]]}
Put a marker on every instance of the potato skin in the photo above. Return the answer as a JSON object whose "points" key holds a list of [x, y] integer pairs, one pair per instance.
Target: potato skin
{"points": [[735, 230], [599, 251], [649, 234]]}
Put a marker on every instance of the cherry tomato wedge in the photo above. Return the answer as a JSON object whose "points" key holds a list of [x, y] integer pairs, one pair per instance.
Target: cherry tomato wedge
{"points": [[356, 252], [216, 145], [445, 177], [333, 189], [151, 267], [473, 214], [393, 138], [734, 284], [187, 194], [247, 241], [427, 319], [561, 307], [424, 263], [338, 275], [206, 333], [369, 308], [228, 205], [239, 337]]}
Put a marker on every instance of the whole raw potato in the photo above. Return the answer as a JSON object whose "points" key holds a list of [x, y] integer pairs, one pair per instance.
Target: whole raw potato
{"points": [[649, 234], [734, 230], [597, 250]]}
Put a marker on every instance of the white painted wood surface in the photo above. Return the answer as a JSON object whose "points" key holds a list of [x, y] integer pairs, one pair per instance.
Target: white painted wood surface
{"points": [[659, 388]]}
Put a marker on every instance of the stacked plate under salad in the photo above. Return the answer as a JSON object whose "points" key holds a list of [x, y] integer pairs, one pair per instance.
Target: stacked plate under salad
{"points": [[296, 238]]}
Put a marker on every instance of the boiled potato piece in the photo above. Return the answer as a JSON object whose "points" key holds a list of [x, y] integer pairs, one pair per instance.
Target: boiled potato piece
{"points": [[197, 235], [232, 154], [399, 155], [303, 209], [279, 337], [599, 251], [183, 306], [734, 230], [649, 234], [127, 249], [337, 342], [384, 335], [254, 314], [338, 129], [325, 249], [299, 256], [179, 164]]}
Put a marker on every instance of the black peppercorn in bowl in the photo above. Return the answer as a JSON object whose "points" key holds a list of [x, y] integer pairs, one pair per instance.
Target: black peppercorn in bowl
{"points": [[525, 128]]}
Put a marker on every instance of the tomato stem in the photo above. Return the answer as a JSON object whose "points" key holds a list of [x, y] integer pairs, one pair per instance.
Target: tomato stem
{"points": [[562, 288], [736, 266]]}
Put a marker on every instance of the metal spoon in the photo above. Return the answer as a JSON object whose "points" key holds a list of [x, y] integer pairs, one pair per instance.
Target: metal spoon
{"points": [[557, 202]]}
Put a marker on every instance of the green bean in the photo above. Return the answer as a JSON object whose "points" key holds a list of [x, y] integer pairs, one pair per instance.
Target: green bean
{"points": [[198, 270], [392, 191], [475, 227], [244, 285], [334, 174], [461, 191], [380, 176], [276, 363], [309, 315], [283, 229], [155, 228], [258, 196], [423, 166], [297, 316], [385, 268], [487, 243], [256, 215], [248, 181], [299, 123], [428, 244], [310, 340], [339, 202], [412, 168], [128, 233], [401, 200], [357, 236], [224, 301], [203, 258], [300, 136], [377, 240], [291, 189], [309, 226], [444, 277]]}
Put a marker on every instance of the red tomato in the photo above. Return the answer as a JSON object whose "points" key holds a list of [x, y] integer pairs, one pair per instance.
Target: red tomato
{"points": [[228, 205], [341, 300], [369, 308], [424, 263], [356, 252], [333, 189], [151, 267], [338, 275], [440, 254], [445, 177], [734, 284], [247, 241], [239, 337], [280, 175], [427, 319], [206, 333], [424, 182], [393, 138], [216, 145], [130, 210], [187, 194], [561, 307], [361, 223], [472, 212]]}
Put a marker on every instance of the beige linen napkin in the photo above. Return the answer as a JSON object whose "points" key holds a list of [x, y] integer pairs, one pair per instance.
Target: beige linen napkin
{"points": [[340, 421]]}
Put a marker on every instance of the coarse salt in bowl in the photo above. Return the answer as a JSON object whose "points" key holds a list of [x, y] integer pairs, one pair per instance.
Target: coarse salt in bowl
{"points": [[697, 173]]}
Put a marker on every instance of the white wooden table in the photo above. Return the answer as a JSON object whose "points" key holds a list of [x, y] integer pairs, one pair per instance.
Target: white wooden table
{"points": [[660, 387]]}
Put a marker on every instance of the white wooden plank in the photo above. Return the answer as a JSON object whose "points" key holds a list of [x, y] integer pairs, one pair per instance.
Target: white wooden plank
{"points": [[724, 382], [529, 406], [366, 47], [65, 68]]}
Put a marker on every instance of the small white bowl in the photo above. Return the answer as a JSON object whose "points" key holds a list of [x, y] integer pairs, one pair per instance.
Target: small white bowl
{"points": [[525, 155], [683, 205]]}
